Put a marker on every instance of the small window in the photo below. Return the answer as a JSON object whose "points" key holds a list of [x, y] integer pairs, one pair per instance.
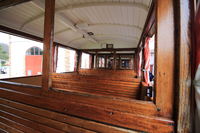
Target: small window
{"points": [[66, 60], [34, 51], [101, 62], [85, 61]]}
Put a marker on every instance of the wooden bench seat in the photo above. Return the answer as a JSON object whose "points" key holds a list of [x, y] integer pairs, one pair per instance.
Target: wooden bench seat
{"points": [[99, 77], [20, 118], [130, 73], [97, 85]]}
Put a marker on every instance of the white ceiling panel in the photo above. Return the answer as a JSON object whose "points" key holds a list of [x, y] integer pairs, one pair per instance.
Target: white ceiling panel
{"points": [[111, 21]]}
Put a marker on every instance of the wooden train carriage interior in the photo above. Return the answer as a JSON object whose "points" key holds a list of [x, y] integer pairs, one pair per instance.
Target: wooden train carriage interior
{"points": [[127, 69]]}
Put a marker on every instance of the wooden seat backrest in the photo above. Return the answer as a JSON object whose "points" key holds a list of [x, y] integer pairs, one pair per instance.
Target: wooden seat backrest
{"points": [[130, 73], [16, 117], [100, 85]]}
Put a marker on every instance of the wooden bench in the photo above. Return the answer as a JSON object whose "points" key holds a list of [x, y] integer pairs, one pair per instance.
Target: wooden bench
{"points": [[125, 73], [90, 112], [16, 117], [97, 85]]}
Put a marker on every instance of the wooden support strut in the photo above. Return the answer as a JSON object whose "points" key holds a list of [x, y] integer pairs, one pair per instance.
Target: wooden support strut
{"points": [[79, 55], [120, 62], [92, 62], [106, 59], [114, 60], [47, 68], [96, 61]]}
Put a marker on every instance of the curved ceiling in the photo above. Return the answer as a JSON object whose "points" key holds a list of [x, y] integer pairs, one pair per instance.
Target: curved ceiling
{"points": [[119, 22]]}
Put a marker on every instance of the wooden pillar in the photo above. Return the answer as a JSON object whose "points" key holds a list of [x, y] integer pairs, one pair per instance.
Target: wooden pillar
{"points": [[78, 59], [119, 61], [106, 58], [55, 56], [184, 98], [135, 62], [96, 63], [132, 62], [92, 62], [47, 67], [164, 66], [114, 60]]}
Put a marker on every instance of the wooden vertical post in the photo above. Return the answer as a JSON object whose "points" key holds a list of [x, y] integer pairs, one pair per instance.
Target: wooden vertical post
{"points": [[80, 60], [96, 63], [78, 64], [47, 68], [114, 60], [55, 56], [119, 61], [132, 63], [164, 81], [92, 62], [77, 61], [184, 97], [106, 57]]}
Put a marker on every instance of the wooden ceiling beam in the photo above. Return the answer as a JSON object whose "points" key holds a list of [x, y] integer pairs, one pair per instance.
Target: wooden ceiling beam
{"points": [[8, 3], [105, 50], [102, 54]]}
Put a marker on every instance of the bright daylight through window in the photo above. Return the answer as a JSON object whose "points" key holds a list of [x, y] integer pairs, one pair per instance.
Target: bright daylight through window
{"points": [[19, 57]]}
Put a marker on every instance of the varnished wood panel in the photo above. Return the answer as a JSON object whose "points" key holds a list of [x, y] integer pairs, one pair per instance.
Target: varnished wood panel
{"points": [[17, 125], [109, 73], [31, 80], [9, 129], [96, 85], [28, 123], [184, 114], [131, 106], [128, 120], [164, 66], [53, 125], [73, 121]]}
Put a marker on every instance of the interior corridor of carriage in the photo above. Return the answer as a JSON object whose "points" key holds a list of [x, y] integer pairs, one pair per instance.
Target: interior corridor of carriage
{"points": [[112, 42], [94, 65]]}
